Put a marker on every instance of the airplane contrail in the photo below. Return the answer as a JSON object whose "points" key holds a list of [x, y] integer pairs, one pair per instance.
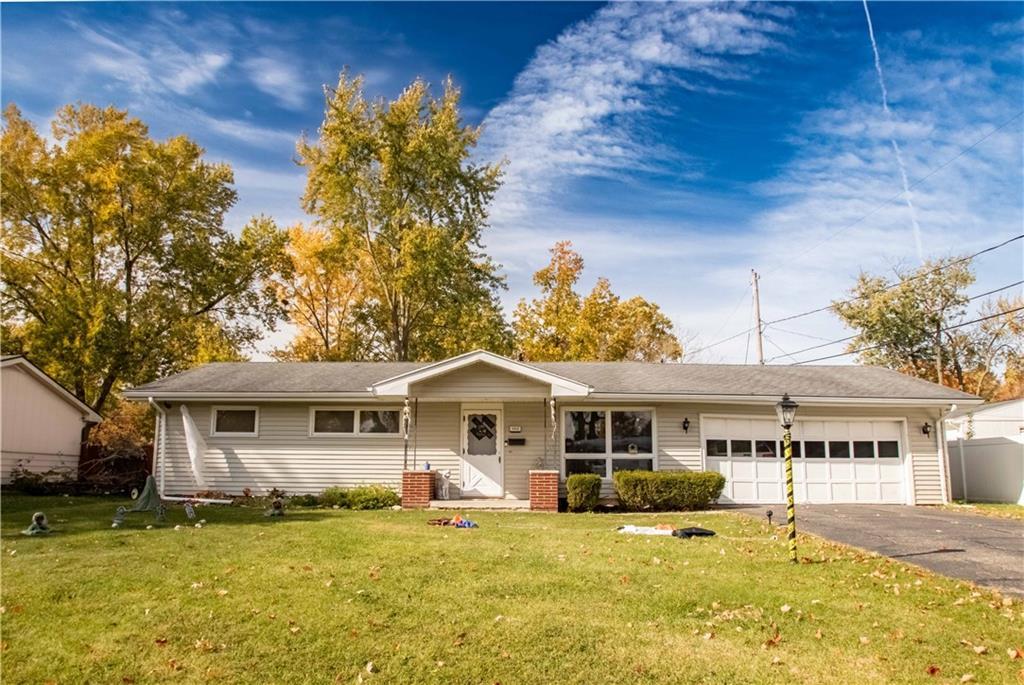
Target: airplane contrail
{"points": [[892, 138]]}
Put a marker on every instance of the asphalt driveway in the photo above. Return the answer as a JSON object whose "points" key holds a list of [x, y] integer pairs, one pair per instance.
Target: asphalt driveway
{"points": [[986, 550]]}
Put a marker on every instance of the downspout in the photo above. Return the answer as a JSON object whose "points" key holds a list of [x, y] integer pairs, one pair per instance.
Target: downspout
{"points": [[943, 451], [158, 453]]}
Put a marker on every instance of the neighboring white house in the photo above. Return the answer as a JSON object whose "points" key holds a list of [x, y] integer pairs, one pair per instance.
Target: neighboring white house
{"points": [[986, 452], [862, 434], [993, 420], [41, 421]]}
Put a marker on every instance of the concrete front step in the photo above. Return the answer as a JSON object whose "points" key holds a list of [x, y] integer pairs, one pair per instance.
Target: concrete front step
{"points": [[494, 504]]}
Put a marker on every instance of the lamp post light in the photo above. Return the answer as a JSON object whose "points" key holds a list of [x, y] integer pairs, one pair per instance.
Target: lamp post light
{"points": [[786, 409]]}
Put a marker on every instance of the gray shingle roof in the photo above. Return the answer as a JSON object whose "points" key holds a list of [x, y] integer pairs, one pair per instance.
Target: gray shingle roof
{"points": [[605, 377]]}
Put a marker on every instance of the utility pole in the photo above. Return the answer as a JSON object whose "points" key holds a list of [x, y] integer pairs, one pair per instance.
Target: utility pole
{"points": [[757, 316]]}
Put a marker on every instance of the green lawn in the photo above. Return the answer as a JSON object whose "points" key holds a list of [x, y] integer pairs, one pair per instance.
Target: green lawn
{"points": [[526, 598], [1006, 511]]}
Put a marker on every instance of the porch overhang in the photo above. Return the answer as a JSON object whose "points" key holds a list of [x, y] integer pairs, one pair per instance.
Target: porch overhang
{"points": [[559, 386]]}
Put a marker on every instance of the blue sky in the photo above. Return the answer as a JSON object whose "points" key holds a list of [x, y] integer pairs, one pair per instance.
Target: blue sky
{"points": [[677, 145]]}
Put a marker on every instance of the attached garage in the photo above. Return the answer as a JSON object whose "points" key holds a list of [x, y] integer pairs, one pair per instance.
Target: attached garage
{"points": [[834, 461]]}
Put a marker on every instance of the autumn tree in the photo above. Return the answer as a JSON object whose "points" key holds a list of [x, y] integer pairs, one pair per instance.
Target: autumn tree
{"points": [[117, 267], [320, 289], [393, 183], [561, 325], [918, 324]]}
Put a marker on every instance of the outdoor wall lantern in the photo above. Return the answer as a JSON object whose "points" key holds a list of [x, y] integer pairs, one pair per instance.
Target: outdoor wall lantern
{"points": [[926, 429], [686, 425], [786, 410]]}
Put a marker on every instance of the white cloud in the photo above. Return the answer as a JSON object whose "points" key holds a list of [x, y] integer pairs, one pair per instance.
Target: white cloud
{"points": [[576, 109], [151, 62], [280, 77]]}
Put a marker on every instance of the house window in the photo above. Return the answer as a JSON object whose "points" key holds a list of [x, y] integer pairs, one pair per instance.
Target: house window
{"points": [[333, 421], [766, 448], [380, 421], [863, 449], [838, 450], [340, 422], [235, 422], [718, 448], [814, 449], [888, 449], [608, 440]]}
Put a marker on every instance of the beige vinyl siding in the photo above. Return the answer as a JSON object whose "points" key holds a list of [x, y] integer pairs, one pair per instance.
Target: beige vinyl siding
{"points": [[519, 460], [40, 430], [285, 456], [478, 382]]}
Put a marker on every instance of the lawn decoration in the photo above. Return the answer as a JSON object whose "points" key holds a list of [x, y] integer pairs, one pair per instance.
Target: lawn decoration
{"points": [[149, 500], [276, 508], [39, 525], [446, 483], [190, 511]]}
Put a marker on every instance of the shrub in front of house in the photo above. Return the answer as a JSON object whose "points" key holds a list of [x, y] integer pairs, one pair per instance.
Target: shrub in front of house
{"points": [[582, 491], [304, 500], [333, 497], [372, 497], [667, 490]]}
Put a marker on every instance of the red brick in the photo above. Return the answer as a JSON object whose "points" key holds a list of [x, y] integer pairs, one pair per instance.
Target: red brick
{"points": [[544, 490], [417, 489]]}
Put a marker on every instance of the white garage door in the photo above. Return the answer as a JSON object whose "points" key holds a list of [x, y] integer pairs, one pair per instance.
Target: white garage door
{"points": [[833, 461]]}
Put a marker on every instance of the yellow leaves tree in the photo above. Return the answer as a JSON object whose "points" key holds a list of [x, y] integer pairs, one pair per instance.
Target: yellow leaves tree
{"points": [[561, 325], [319, 287], [393, 183], [117, 265]]}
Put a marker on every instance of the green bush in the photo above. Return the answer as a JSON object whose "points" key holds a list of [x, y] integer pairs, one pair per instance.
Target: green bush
{"points": [[333, 497], [372, 497], [667, 490], [583, 490], [304, 500]]}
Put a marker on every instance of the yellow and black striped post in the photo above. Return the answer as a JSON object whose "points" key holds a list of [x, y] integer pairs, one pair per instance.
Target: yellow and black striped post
{"points": [[787, 441]]}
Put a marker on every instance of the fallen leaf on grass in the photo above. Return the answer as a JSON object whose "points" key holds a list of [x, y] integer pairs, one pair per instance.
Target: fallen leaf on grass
{"points": [[370, 668], [221, 593], [161, 641], [624, 580], [864, 640], [785, 608], [329, 583], [817, 634], [174, 665], [1015, 653], [295, 629], [980, 649], [375, 573], [967, 678], [774, 640], [460, 639], [933, 670]]}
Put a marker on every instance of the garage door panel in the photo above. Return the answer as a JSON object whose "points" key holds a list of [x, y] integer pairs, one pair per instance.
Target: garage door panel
{"points": [[892, 492], [744, 491], [769, 492], [866, 492], [742, 469], [865, 472], [841, 470], [890, 471], [768, 469], [842, 492], [818, 492]]}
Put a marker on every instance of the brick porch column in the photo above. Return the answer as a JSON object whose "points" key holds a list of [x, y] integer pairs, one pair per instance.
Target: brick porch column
{"points": [[543, 490], [417, 489]]}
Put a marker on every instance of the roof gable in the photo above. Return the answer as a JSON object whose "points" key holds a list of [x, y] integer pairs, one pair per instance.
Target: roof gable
{"points": [[398, 386], [50, 384]]}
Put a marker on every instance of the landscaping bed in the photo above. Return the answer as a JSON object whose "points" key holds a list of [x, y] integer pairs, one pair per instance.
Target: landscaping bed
{"points": [[324, 595]]}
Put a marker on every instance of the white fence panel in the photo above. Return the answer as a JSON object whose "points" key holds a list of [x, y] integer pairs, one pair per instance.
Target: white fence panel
{"points": [[987, 469]]}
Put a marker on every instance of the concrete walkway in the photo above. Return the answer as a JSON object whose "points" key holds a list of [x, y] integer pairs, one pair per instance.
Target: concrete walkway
{"points": [[983, 549]]}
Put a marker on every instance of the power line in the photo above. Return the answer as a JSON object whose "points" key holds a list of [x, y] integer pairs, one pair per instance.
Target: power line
{"points": [[899, 194], [899, 282], [943, 330], [784, 353], [851, 337]]}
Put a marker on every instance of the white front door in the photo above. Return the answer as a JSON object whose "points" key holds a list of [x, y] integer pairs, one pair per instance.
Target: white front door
{"points": [[482, 467]]}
